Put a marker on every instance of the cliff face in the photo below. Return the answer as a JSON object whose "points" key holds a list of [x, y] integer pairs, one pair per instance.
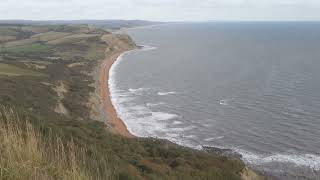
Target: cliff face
{"points": [[118, 43], [248, 174], [114, 44]]}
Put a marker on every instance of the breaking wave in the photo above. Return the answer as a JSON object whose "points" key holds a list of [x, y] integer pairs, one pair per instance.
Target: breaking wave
{"points": [[311, 161], [166, 93]]}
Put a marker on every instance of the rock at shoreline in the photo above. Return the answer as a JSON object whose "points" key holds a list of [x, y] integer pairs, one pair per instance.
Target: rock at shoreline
{"points": [[222, 152]]}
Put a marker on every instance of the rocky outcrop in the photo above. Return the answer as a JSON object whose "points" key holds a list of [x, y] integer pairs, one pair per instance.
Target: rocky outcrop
{"points": [[118, 42]]}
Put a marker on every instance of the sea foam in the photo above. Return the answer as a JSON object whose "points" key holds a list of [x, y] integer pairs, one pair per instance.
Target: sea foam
{"points": [[144, 122], [305, 160], [139, 118], [147, 48], [166, 93], [214, 138]]}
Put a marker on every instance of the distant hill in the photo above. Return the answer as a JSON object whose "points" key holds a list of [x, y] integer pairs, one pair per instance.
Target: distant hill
{"points": [[107, 24]]}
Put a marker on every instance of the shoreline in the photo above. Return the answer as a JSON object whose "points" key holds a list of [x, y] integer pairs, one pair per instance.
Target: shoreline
{"points": [[118, 126], [124, 30]]}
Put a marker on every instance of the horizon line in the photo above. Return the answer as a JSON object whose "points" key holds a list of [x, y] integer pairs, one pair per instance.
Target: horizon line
{"points": [[182, 21]]}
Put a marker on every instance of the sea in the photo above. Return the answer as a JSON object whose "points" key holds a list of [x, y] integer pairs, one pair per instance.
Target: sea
{"points": [[252, 87]]}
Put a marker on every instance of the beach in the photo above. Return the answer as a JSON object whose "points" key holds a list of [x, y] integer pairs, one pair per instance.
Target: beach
{"points": [[194, 92], [117, 124]]}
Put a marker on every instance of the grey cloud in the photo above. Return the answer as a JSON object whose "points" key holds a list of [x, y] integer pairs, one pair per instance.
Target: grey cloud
{"points": [[165, 10]]}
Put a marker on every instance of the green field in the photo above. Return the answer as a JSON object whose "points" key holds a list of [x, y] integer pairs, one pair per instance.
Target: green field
{"points": [[73, 38], [10, 70], [7, 31], [35, 48], [50, 36]]}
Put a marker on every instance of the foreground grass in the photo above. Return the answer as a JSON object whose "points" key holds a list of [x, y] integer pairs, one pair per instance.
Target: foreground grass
{"points": [[26, 154], [85, 150]]}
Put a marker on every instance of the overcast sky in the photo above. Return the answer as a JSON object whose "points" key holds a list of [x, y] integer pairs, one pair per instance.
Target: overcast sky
{"points": [[161, 10]]}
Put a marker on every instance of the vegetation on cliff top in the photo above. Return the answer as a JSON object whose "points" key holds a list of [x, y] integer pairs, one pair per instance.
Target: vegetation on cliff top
{"points": [[37, 149]]}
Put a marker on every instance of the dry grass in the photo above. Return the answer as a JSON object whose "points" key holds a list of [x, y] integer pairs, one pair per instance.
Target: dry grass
{"points": [[50, 36], [35, 29], [22, 42], [6, 38], [10, 70], [26, 154], [72, 38]]}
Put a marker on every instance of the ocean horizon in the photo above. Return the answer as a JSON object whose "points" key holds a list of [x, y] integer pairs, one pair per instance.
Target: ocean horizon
{"points": [[249, 87]]}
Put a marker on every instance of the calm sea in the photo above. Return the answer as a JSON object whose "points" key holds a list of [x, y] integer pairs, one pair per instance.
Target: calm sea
{"points": [[250, 87]]}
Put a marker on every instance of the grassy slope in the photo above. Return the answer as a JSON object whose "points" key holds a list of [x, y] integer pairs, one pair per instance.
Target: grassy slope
{"points": [[10, 70], [27, 154], [21, 50], [35, 98]]}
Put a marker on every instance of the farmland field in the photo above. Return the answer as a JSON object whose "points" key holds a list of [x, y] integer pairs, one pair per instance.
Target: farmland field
{"points": [[10, 70]]}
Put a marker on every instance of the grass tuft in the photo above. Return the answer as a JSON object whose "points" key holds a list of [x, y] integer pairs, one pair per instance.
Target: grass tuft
{"points": [[26, 154]]}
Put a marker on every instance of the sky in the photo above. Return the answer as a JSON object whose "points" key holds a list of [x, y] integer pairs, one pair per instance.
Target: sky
{"points": [[162, 10]]}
